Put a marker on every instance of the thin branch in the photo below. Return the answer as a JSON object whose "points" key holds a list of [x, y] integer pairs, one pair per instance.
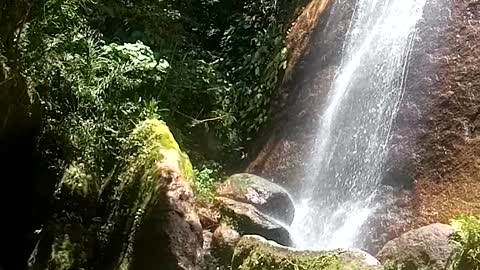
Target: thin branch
{"points": [[196, 122]]}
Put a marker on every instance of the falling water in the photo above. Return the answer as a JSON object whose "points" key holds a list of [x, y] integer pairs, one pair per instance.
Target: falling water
{"points": [[345, 168]]}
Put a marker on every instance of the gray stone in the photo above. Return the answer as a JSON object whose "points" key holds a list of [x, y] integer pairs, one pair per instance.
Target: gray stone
{"points": [[427, 246], [251, 221], [268, 197]]}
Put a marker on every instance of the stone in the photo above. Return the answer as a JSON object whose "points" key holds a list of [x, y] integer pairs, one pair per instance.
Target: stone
{"points": [[249, 220], [207, 240], [148, 212], [268, 197], [171, 234], [207, 247], [426, 247], [224, 240], [225, 236], [255, 253]]}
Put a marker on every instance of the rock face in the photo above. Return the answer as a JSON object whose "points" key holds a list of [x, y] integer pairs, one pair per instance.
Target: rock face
{"points": [[251, 221], [427, 246], [171, 234], [269, 198], [144, 217], [255, 253]]}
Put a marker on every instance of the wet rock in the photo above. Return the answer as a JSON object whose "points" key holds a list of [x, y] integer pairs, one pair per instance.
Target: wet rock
{"points": [[424, 248], [250, 220], [268, 197], [254, 252]]}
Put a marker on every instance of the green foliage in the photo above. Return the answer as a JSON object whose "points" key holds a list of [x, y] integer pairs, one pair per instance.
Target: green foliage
{"points": [[99, 68], [92, 94], [254, 63], [205, 178], [392, 265], [467, 240], [209, 68]]}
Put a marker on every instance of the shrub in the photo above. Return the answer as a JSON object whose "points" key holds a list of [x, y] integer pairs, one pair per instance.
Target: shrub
{"points": [[205, 177], [467, 240]]}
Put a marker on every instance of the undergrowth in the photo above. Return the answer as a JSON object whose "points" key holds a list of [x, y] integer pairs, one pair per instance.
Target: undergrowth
{"points": [[207, 68], [100, 67], [206, 176], [467, 241]]}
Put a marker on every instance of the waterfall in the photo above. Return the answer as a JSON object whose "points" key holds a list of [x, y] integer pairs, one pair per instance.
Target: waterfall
{"points": [[344, 170]]}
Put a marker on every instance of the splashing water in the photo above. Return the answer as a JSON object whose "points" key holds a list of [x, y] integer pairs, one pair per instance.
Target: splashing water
{"points": [[345, 168]]}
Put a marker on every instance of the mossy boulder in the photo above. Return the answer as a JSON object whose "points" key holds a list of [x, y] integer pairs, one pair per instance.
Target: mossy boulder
{"points": [[256, 253], [266, 196], [141, 217]]}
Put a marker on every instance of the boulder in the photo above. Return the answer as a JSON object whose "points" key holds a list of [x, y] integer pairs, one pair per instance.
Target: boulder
{"points": [[427, 247], [255, 253], [171, 233], [143, 217], [268, 197], [249, 220]]}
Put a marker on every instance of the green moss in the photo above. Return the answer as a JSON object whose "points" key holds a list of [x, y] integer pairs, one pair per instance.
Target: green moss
{"points": [[140, 185], [240, 183], [107, 219], [259, 260], [154, 137], [251, 254], [259, 257]]}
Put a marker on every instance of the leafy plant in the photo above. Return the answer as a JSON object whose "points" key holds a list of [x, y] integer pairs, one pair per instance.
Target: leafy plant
{"points": [[467, 240], [205, 177]]}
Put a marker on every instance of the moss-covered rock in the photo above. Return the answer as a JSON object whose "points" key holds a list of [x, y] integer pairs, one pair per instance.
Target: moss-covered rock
{"points": [[255, 253], [142, 217]]}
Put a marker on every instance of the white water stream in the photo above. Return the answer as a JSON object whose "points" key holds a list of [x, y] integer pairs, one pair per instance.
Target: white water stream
{"points": [[345, 168]]}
